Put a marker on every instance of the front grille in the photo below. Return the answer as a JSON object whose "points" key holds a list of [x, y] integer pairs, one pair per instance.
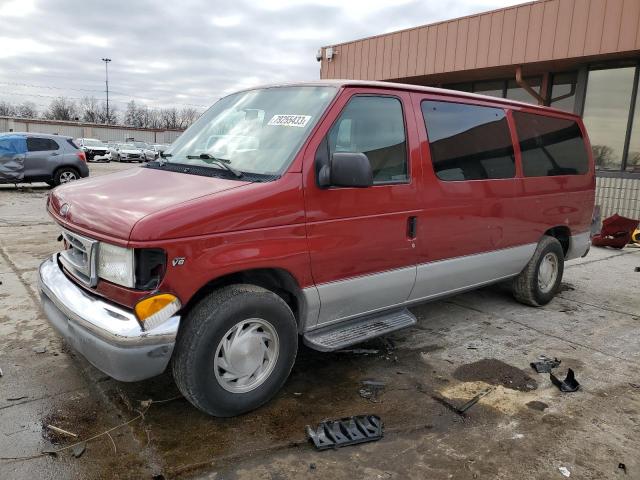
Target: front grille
{"points": [[80, 256]]}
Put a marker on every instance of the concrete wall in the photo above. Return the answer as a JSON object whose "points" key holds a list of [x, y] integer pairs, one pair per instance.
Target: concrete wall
{"points": [[618, 195], [87, 130]]}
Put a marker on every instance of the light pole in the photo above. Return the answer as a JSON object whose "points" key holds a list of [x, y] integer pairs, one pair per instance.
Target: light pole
{"points": [[106, 81]]}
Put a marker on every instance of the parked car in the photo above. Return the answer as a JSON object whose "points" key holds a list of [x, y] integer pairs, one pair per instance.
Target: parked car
{"points": [[324, 215], [159, 148], [38, 157], [148, 153], [95, 150], [128, 152], [113, 148]]}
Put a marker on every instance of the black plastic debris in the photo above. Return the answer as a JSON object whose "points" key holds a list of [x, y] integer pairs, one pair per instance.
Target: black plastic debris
{"points": [[346, 431], [622, 467], [569, 384], [545, 365]]}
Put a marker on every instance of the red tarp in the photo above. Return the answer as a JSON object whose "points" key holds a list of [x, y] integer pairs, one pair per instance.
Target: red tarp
{"points": [[616, 232]]}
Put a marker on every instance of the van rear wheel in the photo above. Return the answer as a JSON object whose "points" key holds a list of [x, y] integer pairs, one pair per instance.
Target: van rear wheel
{"points": [[540, 280], [235, 350]]}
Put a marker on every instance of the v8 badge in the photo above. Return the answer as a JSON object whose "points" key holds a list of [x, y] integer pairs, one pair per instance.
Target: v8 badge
{"points": [[177, 261]]}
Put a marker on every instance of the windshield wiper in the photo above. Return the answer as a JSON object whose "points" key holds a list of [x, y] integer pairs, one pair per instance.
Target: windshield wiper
{"points": [[223, 162]]}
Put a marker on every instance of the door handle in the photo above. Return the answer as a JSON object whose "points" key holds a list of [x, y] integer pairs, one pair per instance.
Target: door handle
{"points": [[412, 227], [54, 154]]}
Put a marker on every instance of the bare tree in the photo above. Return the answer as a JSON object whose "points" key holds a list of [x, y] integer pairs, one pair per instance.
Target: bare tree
{"points": [[27, 110], [131, 114], [62, 108], [170, 118], [602, 155], [113, 117], [90, 110], [7, 109], [187, 116]]}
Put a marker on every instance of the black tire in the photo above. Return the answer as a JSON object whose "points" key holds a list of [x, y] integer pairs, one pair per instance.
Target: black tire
{"points": [[60, 176], [202, 332], [526, 287]]}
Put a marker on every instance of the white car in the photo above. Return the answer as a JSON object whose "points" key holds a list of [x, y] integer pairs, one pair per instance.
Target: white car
{"points": [[95, 150], [148, 153], [159, 148], [128, 152]]}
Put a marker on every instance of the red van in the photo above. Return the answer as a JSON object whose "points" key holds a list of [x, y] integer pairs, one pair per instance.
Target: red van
{"points": [[319, 210]]}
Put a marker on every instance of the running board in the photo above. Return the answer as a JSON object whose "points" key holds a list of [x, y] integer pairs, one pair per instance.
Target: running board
{"points": [[344, 334]]}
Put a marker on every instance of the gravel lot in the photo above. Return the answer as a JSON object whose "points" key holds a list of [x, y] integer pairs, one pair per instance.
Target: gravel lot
{"points": [[525, 428]]}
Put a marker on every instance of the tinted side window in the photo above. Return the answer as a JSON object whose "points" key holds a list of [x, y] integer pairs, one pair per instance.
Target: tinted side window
{"points": [[468, 142], [550, 146], [73, 144], [35, 144], [373, 126]]}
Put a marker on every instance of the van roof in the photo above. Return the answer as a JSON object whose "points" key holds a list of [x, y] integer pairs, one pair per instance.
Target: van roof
{"points": [[341, 83]]}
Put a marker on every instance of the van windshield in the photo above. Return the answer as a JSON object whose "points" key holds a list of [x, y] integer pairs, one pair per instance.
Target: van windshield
{"points": [[256, 131]]}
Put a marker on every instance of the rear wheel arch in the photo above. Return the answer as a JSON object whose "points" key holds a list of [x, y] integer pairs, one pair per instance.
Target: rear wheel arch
{"points": [[562, 233]]}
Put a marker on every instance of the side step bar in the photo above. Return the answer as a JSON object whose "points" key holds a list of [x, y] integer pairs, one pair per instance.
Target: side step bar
{"points": [[344, 334]]}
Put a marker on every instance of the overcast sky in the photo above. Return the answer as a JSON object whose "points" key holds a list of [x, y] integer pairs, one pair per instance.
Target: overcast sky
{"points": [[187, 52]]}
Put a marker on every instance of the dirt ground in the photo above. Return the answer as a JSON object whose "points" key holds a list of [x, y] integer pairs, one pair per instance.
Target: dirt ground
{"points": [[525, 428]]}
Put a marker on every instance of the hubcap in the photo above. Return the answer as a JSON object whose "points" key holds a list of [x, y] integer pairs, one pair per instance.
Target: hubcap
{"points": [[548, 272], [246, 355], [66, 177]]}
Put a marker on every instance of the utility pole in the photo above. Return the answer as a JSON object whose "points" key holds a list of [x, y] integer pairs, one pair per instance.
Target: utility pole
{"points": [[106, 81]]}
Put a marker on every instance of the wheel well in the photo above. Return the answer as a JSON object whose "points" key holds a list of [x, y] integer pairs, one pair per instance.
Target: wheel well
{"points": [[562, 234], [279, 281]]}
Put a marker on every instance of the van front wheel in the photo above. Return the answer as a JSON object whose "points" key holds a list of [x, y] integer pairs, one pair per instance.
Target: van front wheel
{"points": [[235, 350], [540, 280]]}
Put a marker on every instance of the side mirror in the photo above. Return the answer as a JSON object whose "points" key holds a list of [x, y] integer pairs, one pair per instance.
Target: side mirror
{"points": [[346, 170]]}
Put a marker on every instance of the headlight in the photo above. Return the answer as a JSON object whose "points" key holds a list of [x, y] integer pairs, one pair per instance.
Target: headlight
{"points": [[115, 264]]}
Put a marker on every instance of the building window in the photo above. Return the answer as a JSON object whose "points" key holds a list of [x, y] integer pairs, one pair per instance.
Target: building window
{"points": [[633, 157], [515, 92], [606, 114], [468, 142], [493, 89], [563, 91]]}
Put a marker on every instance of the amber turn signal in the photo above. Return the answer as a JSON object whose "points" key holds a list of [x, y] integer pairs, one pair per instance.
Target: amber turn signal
{"points": [[154, 310]]}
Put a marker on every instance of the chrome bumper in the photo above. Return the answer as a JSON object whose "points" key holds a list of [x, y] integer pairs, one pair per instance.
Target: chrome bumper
{"points": [[108, 336]]}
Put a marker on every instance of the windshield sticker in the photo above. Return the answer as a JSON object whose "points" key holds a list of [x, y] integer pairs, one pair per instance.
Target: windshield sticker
{"points": [[290, 120]]}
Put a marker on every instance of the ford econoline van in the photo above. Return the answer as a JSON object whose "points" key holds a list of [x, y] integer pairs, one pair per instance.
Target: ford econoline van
{"points": [[314, 212]]}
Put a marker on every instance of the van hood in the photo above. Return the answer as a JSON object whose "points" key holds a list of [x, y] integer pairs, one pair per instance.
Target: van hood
{"points": [[111, 205]]}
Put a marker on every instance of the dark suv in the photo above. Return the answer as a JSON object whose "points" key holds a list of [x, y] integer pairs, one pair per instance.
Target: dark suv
{"points": [[38, 157]]}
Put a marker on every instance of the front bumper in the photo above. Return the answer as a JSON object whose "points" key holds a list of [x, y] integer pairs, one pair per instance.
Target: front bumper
{"points": [[108, 336]]}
